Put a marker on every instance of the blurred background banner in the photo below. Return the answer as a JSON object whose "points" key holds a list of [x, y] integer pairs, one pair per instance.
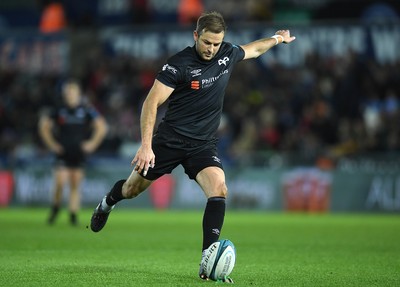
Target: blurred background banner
{"points": [[310, 127], [378, 42], [33, 52], [36, 52], [297, 189]]}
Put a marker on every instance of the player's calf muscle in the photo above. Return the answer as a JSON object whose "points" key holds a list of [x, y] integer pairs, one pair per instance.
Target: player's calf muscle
{"points": [[132, 189]]}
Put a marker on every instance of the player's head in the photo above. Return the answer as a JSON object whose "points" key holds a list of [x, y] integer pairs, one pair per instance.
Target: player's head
{"points": [[209, 34], [71, 92]]}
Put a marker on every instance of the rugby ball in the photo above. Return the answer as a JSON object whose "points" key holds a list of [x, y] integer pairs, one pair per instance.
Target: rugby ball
{"points": [[219, 259]]}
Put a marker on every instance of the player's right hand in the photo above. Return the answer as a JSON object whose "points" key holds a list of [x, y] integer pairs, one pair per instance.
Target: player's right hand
{"points": [[57, 148], [143, 160]]}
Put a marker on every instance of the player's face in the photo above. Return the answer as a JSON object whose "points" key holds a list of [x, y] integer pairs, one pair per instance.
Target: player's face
{"points": [[72, 95], [208, 44]]}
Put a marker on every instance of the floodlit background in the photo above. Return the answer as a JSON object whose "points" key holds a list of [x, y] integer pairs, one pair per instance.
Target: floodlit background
{"points": [[311, 126]]}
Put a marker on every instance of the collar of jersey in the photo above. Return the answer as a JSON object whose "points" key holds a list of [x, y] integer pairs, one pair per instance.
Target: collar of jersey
{"points": [[200, 59]]}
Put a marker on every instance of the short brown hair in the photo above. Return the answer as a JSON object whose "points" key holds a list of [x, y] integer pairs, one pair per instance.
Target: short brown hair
{"points": [[212, 21]]}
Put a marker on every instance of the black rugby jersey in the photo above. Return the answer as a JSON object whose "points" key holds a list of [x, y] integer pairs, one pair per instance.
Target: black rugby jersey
{"points": [[73, 125], [195, 106]]}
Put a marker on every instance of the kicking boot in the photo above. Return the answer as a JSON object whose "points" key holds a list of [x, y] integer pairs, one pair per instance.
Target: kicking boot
{"points": [[202, 270], [99, 217]]}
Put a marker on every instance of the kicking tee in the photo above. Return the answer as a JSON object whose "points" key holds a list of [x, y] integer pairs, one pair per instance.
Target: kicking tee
{"points": [[195, 106]]}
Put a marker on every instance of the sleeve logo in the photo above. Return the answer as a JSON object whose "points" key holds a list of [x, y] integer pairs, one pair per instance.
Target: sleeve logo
{"points": [[169, 68]]}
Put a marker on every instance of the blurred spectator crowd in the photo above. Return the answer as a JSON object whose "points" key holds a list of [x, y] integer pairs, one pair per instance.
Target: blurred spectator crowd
{"points": [[329, 107], [325, 109]]}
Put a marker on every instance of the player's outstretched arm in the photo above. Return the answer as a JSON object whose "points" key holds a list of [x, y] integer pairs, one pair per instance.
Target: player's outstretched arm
{"points": [[259, 47]]}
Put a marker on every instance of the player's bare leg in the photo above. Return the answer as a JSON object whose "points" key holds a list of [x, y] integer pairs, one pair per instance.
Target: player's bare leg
{"points": [[122, 189], [60, 178], [75, 179]]}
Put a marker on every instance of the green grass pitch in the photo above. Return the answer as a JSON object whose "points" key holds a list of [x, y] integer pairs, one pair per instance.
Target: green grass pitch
{"points": [[162, 248]]}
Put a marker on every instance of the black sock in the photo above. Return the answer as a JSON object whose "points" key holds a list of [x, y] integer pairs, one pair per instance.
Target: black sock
{"points": [[213, 220], [55, 209], [115, 194], [73, 218], [53, 213]]}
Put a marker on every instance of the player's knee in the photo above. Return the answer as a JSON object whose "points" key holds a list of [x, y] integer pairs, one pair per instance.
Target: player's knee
{"points": [[221, 190], [224, 190]]}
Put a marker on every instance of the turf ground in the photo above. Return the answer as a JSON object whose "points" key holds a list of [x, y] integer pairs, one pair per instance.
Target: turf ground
{"points": [[151, 248]]}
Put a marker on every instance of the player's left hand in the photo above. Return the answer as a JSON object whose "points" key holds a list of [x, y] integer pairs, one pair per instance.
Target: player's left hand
{"points": [[88, 146], [286, 36]]}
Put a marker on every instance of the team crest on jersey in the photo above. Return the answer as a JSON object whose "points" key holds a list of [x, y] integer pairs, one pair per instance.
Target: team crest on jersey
{"points": [[169, 68], [223, 61]]}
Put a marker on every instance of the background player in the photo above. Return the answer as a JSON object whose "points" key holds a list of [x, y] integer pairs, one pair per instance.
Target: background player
{"points": [[71, 131], [194, 81]]}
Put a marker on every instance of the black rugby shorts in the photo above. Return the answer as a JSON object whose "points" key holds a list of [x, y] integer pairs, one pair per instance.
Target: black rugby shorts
{"points": [[71, 158], [172, 149]]}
